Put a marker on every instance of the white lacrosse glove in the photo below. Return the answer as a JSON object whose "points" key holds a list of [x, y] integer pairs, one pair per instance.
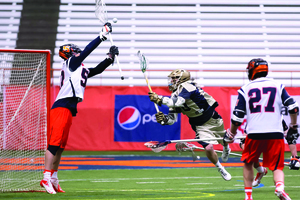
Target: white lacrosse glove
{"points": [[107, 28], [229, 137]]}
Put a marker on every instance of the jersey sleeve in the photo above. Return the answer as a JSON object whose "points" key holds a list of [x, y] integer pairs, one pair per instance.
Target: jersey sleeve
{"points": [[240, 109], [185, 94], [289, 102], [76, 61], [100, 67]]}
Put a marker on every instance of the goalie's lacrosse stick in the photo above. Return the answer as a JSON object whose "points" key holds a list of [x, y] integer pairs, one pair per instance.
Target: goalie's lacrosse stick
{"points": [[144, 64], [101, 14], [159, 146]]}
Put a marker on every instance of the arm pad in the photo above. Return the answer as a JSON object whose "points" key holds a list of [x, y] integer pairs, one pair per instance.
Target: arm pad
{"points": [[292, 105], [172, 118], [170, 102], [237, 117]]}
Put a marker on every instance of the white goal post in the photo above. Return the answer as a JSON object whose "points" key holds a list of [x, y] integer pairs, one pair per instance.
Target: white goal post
{"points": [[24, 107]]}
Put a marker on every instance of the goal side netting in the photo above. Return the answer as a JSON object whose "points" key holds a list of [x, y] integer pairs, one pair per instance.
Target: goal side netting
{"points": [[24, 104]]}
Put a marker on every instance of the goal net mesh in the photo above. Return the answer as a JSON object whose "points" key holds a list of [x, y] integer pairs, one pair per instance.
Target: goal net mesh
{"points": [[23, 122]]}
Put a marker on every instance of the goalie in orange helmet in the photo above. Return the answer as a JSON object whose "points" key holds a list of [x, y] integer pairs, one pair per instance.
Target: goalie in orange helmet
{"points": [[74, 76]]}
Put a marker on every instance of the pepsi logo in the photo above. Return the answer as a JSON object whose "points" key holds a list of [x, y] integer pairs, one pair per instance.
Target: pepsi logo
{"points": [[129, 117]]}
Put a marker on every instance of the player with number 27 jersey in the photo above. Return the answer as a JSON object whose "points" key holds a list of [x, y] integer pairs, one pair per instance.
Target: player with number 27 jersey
{"points": [[261, 101], [264, 95]]}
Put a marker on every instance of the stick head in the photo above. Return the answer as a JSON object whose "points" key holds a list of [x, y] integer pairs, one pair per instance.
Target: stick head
{"points": [[143, 61], [156, 146], [100, 11]]}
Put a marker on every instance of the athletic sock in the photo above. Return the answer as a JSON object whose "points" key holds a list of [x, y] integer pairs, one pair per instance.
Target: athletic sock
{"points": [[260, 169], [279, 186], [248, 193], [53, 173], [218, 165], [47, 174], [226, 147]]}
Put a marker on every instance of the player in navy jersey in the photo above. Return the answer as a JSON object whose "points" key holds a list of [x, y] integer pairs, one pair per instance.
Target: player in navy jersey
{"points": [[189, 99], [73, 82], [261, 101]]}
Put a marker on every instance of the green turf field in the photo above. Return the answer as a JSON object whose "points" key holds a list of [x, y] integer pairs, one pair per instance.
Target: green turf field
{"points": [[144, 184]]}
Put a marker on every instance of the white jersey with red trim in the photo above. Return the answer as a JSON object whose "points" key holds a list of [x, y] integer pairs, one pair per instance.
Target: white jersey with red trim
{"points": [[72, 84], [263, 105]]}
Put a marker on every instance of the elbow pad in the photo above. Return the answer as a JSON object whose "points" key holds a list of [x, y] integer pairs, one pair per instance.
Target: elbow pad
{"points": [[180, 101], [170, 102], [236, 123], [294, 108], [237, 117], [167, 101]]}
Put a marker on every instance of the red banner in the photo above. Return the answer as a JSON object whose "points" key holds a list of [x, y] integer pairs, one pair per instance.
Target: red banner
{"points": [[93, 127]]}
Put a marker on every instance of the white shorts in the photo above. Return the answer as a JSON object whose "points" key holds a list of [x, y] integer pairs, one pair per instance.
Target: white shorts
{"points": [[211, 129]]}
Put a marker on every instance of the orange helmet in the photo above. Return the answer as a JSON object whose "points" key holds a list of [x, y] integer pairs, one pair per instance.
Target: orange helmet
{"points": [[257, 68], [67, 50]]}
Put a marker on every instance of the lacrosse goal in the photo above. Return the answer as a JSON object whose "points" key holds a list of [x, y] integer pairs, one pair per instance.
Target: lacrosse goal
{"points": [[24, 105]]}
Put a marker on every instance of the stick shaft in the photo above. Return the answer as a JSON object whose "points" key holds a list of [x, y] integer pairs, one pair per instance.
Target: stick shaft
{"points": [[116, 56], [199, 140], [156, 107], [235, 154]]}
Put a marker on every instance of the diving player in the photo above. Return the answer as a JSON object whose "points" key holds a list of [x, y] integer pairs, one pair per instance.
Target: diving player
{"points": [[189, 99]]}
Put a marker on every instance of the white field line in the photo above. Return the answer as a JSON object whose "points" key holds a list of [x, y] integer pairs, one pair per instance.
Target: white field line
{"points": [[169, 189], [149, 182], [137, 179], [103, 181], [198, 183], [160, 178]]}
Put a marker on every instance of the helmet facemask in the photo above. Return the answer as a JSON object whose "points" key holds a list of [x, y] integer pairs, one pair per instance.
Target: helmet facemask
{"points": [[177, 77], [68, 50], [173, 83]]}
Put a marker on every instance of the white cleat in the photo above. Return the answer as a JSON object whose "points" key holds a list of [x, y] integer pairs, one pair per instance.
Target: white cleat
{"points": [[282, 195], [258, 177], [225, 154], [225, 175], [56, 185], [48, 186]]}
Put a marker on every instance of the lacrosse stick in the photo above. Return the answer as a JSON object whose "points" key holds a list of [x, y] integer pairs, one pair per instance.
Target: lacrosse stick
{"points": [[101, 14], [144, 64], [159, 146], [184, 146]]}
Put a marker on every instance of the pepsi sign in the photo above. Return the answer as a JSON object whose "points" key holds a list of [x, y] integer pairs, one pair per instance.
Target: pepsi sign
{"points": [[135, 120], [129, 117]]}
